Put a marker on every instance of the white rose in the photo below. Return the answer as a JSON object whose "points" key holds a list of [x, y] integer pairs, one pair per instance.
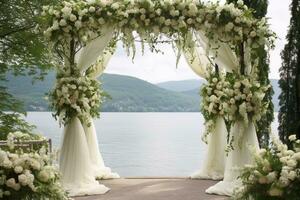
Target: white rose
{"points": [[43, 176], [55, 25], [115, 6], [168, 22], [214, 80], [237, 85], [252, 34], [63, 22], [73, 18], [291, 163], [262, 152], [272, 177], [296, 156], [66, 10], [10, 182], [292, 138], [292, 175], [84, 38], [229, 26], [240, 2], [237, 20], [23, 179], [174, 13], [92, 9], [284, 181], [18, 169], [189, 21]]}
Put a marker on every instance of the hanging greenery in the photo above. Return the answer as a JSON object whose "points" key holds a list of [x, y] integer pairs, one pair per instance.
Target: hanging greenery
{"points": [[82, 21]]}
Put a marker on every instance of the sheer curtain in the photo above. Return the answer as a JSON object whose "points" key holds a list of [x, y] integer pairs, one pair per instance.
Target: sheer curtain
{"points": [[80, 159], [214, 163], [245, 138], [244, 144]]}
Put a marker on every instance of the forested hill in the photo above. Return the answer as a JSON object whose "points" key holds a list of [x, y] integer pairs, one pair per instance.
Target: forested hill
{"points": [[128, 94]]}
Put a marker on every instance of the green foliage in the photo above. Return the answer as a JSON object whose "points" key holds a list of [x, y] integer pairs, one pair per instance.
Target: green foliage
{"points": [[263, 126], [289, 114], [21, 47], [22, 51], [12, 121]]}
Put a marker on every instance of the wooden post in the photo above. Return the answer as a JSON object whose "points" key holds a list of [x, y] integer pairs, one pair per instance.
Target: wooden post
{"points": [[242, 58]]}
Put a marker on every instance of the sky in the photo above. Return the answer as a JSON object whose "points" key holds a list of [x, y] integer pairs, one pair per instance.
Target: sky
{"points": [[159, 67]]}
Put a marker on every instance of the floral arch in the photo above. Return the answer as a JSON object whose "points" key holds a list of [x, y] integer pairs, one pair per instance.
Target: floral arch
{"points": [[213, 38]]}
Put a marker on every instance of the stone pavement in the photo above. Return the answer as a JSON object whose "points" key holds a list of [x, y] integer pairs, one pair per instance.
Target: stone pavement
{"points": [[156, 189]]}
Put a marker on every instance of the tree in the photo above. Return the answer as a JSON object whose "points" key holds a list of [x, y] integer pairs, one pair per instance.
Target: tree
{"points": [[263, 126], [289, 113], [22, 51]]}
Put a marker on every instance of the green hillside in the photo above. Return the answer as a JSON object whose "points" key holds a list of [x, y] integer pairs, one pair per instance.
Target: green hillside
{"points": [[182, 86], [128, 94], [191, 87]]}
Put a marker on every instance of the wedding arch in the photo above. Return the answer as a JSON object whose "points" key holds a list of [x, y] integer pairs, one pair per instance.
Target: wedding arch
{"points": [[214, 39]]}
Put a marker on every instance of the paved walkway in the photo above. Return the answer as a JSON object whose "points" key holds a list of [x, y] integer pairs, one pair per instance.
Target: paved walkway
{"points": [[156, 189]]}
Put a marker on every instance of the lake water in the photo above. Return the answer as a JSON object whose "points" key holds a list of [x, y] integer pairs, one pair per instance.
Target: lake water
{"points": [[142, 144]]}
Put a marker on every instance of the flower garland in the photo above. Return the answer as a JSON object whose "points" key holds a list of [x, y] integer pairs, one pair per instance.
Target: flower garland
{"points": [[82, 21], [214, 101], [76, 97], [29, 176], [275, 174]]}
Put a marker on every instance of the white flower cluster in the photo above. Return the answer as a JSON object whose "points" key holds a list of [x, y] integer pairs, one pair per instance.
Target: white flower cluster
{"points": [[214, 101], [276, 172], [28, 175], [76, 97], [84, 20], [233, 97], [246, 100], [19, 136]]}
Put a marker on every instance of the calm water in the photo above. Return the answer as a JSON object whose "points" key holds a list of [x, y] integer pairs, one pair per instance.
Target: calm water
{"points": [[142, 144]]}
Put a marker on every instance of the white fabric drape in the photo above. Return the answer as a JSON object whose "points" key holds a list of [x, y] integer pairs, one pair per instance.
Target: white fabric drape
{"points": [[198, 61], [89, 54], [80, 159], [225, 57], [245, 142], [77, 175], [214, 164]]}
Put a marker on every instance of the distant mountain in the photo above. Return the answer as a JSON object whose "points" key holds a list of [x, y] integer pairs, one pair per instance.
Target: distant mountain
{"points": [[128, 94], [135, 95], [192, 87], [182, 86]]}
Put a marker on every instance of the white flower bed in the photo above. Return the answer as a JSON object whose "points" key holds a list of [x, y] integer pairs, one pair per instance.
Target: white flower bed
{"points": [[275, 174], [30, 175]]}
